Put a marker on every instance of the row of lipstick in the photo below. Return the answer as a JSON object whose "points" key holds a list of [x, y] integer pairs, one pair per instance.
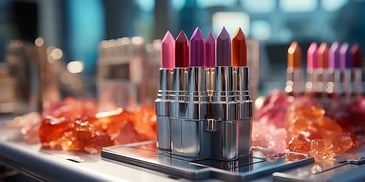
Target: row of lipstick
{"points": [[203, 53], [332, 71], [203, 106]]}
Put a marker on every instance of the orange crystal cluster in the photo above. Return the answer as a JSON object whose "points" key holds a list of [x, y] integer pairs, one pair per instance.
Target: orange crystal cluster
{"points": [[75, 125], [310, 131]]}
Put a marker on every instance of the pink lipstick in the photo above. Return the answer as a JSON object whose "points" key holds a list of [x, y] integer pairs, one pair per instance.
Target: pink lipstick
{"points": [[323, 64], [310, 85], [163, 100]]}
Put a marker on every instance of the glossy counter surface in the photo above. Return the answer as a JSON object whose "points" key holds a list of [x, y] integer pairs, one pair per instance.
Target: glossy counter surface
{"points": [[53, 165]]}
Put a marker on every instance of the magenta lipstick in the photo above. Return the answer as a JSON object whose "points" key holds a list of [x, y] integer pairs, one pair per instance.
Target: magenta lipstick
{"points": [[209, 49], [195, 105], [209, 61], [197, 49]]}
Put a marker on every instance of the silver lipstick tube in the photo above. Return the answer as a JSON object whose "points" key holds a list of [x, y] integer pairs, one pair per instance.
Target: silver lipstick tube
{"points": [[178, 108], [335, 88], [195, 143], [210, 80], [347, 83], [357, 81], [224, 113], [294, 85], [244, 110], [309, 85], [318, 82], [163, 109]]}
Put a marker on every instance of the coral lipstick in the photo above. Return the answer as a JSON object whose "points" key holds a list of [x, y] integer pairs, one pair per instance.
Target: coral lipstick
{"points": [[242, 96], [239, 49], [294, 80], [294, 56], [239, 61]]}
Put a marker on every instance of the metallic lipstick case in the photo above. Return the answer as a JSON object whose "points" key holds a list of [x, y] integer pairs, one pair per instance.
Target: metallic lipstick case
{"points": [[196, 125], [163, 110]]}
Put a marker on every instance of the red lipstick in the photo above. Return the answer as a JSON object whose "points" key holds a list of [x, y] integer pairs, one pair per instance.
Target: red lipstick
{"points": [[182, 51]]}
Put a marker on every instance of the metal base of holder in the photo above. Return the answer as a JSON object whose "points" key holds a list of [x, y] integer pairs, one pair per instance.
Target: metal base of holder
{"points": [[254, 166]]}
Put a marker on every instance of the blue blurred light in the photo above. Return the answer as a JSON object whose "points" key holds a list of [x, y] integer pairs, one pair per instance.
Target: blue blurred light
{"points": [[86, 30]]}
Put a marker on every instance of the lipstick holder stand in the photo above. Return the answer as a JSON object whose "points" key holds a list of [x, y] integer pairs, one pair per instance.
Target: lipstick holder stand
{"points": [[201, 126], [203, 133]]}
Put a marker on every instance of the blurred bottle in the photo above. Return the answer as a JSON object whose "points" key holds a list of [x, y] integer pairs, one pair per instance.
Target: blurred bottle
{"points": [[8, 97], [18, 65]]}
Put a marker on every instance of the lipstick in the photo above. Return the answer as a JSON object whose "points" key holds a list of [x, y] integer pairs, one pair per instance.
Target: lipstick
{"points": [[356, 55], [162, 101], [334, 87], [294, 74], [224, 107], [346, 66], [242, 96], [223, 48], [323, 64], [239, 60], [209, 61], [203, 125], [194, 142], [181, 66], [311, 72], [177, 95]]}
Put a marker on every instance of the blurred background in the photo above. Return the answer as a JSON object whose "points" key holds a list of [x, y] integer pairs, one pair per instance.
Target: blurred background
{"points": [[77, 26]]}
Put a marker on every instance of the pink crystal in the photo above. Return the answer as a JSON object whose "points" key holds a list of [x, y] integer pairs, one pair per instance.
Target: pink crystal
{"points": [[272, 111]]}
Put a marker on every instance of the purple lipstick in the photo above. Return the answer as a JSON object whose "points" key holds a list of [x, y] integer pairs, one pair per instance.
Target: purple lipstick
{"points": [[346, 69], [197, 48], [223, 48]]}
